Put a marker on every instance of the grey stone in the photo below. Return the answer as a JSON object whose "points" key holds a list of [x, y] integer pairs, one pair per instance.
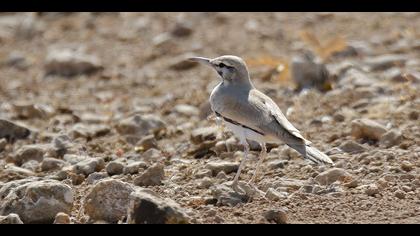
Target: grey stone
{"points": [[12, 131], [152, 156], [140, 125], [114, 168], [15, 172], [182, 29], [152, 176], [49, 164], [67, 62], [12, 218], [391, 138], [95, 177], [147, 142], [17, 60], [108, 200], [28, 110], [279, 216], [38, 201], [134, 167], [225, 166], [88, 166], [277, 164], [206, 182], [89, 131], [31, 165], [365, 128], [275, 195], [186, 110], [384, 62], [30, 152], [352, 147], [407, 166], [226, 196], [201, 173], [330, 176], [146, 207], [371, 189], [399, 194], [74, 159], [203, 134]]}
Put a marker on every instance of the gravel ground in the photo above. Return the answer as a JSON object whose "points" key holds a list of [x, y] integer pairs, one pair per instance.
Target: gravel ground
{"points": [[103, 121]]}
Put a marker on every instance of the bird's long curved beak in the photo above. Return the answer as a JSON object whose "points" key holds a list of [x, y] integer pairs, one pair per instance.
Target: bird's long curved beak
{"points": [[202, 60]]}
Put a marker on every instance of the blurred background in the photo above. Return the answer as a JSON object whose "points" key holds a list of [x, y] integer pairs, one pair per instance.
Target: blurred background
{"points": [[88, 76]]}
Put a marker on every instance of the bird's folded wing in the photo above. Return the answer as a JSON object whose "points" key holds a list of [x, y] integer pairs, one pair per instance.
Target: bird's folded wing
{"points": [[273, 119]]}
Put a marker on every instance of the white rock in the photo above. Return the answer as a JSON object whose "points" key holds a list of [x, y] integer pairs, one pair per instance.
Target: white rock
{"points": [[49, 164], [391, 138], [12, 218], [275, 195], [134, 167], [365, 128], [89, 166], [186, 110], [330, 176], [30, 152], [108, 200], [38, 201], [352, 147], [140, 125], [67, 62], [225, 166]]}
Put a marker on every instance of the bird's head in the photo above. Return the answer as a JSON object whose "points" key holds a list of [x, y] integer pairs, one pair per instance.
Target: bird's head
{"points": [[232, 69]]}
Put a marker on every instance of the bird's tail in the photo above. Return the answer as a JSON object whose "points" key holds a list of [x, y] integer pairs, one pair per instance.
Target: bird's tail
{"points": [[312, 153]]}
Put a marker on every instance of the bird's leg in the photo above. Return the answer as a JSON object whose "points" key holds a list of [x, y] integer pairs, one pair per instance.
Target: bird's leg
{"points": [[219, 126], [263, 154], [241, 166]]}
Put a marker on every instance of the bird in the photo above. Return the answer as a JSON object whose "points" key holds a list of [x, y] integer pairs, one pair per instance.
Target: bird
{"points": [[252, 115]]}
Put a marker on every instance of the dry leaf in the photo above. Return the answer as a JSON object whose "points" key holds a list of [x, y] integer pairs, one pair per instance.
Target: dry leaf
{"points": [[331, 46], [279, 67]]}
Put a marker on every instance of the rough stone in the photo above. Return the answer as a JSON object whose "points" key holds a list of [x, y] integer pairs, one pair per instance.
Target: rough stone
{"points": [[88, 166], [12, 131], [108, 200], [114, 168], [152, 176], [279, 216], [145, 207], [352, 147], [10, 219], [38, 201], [391, 138], [330, 176], [365, 128], [225, 166], [67, 62]]}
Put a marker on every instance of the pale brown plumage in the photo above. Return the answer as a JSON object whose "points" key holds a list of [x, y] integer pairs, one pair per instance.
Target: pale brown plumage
{"points": [[245, 109]]}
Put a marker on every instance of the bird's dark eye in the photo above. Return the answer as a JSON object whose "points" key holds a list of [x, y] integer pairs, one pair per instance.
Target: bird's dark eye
{"points": [[221, 65]]}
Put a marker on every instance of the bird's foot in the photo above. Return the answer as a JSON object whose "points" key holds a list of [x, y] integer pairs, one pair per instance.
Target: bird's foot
{"points": [[247, 189], [237, 189]]}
